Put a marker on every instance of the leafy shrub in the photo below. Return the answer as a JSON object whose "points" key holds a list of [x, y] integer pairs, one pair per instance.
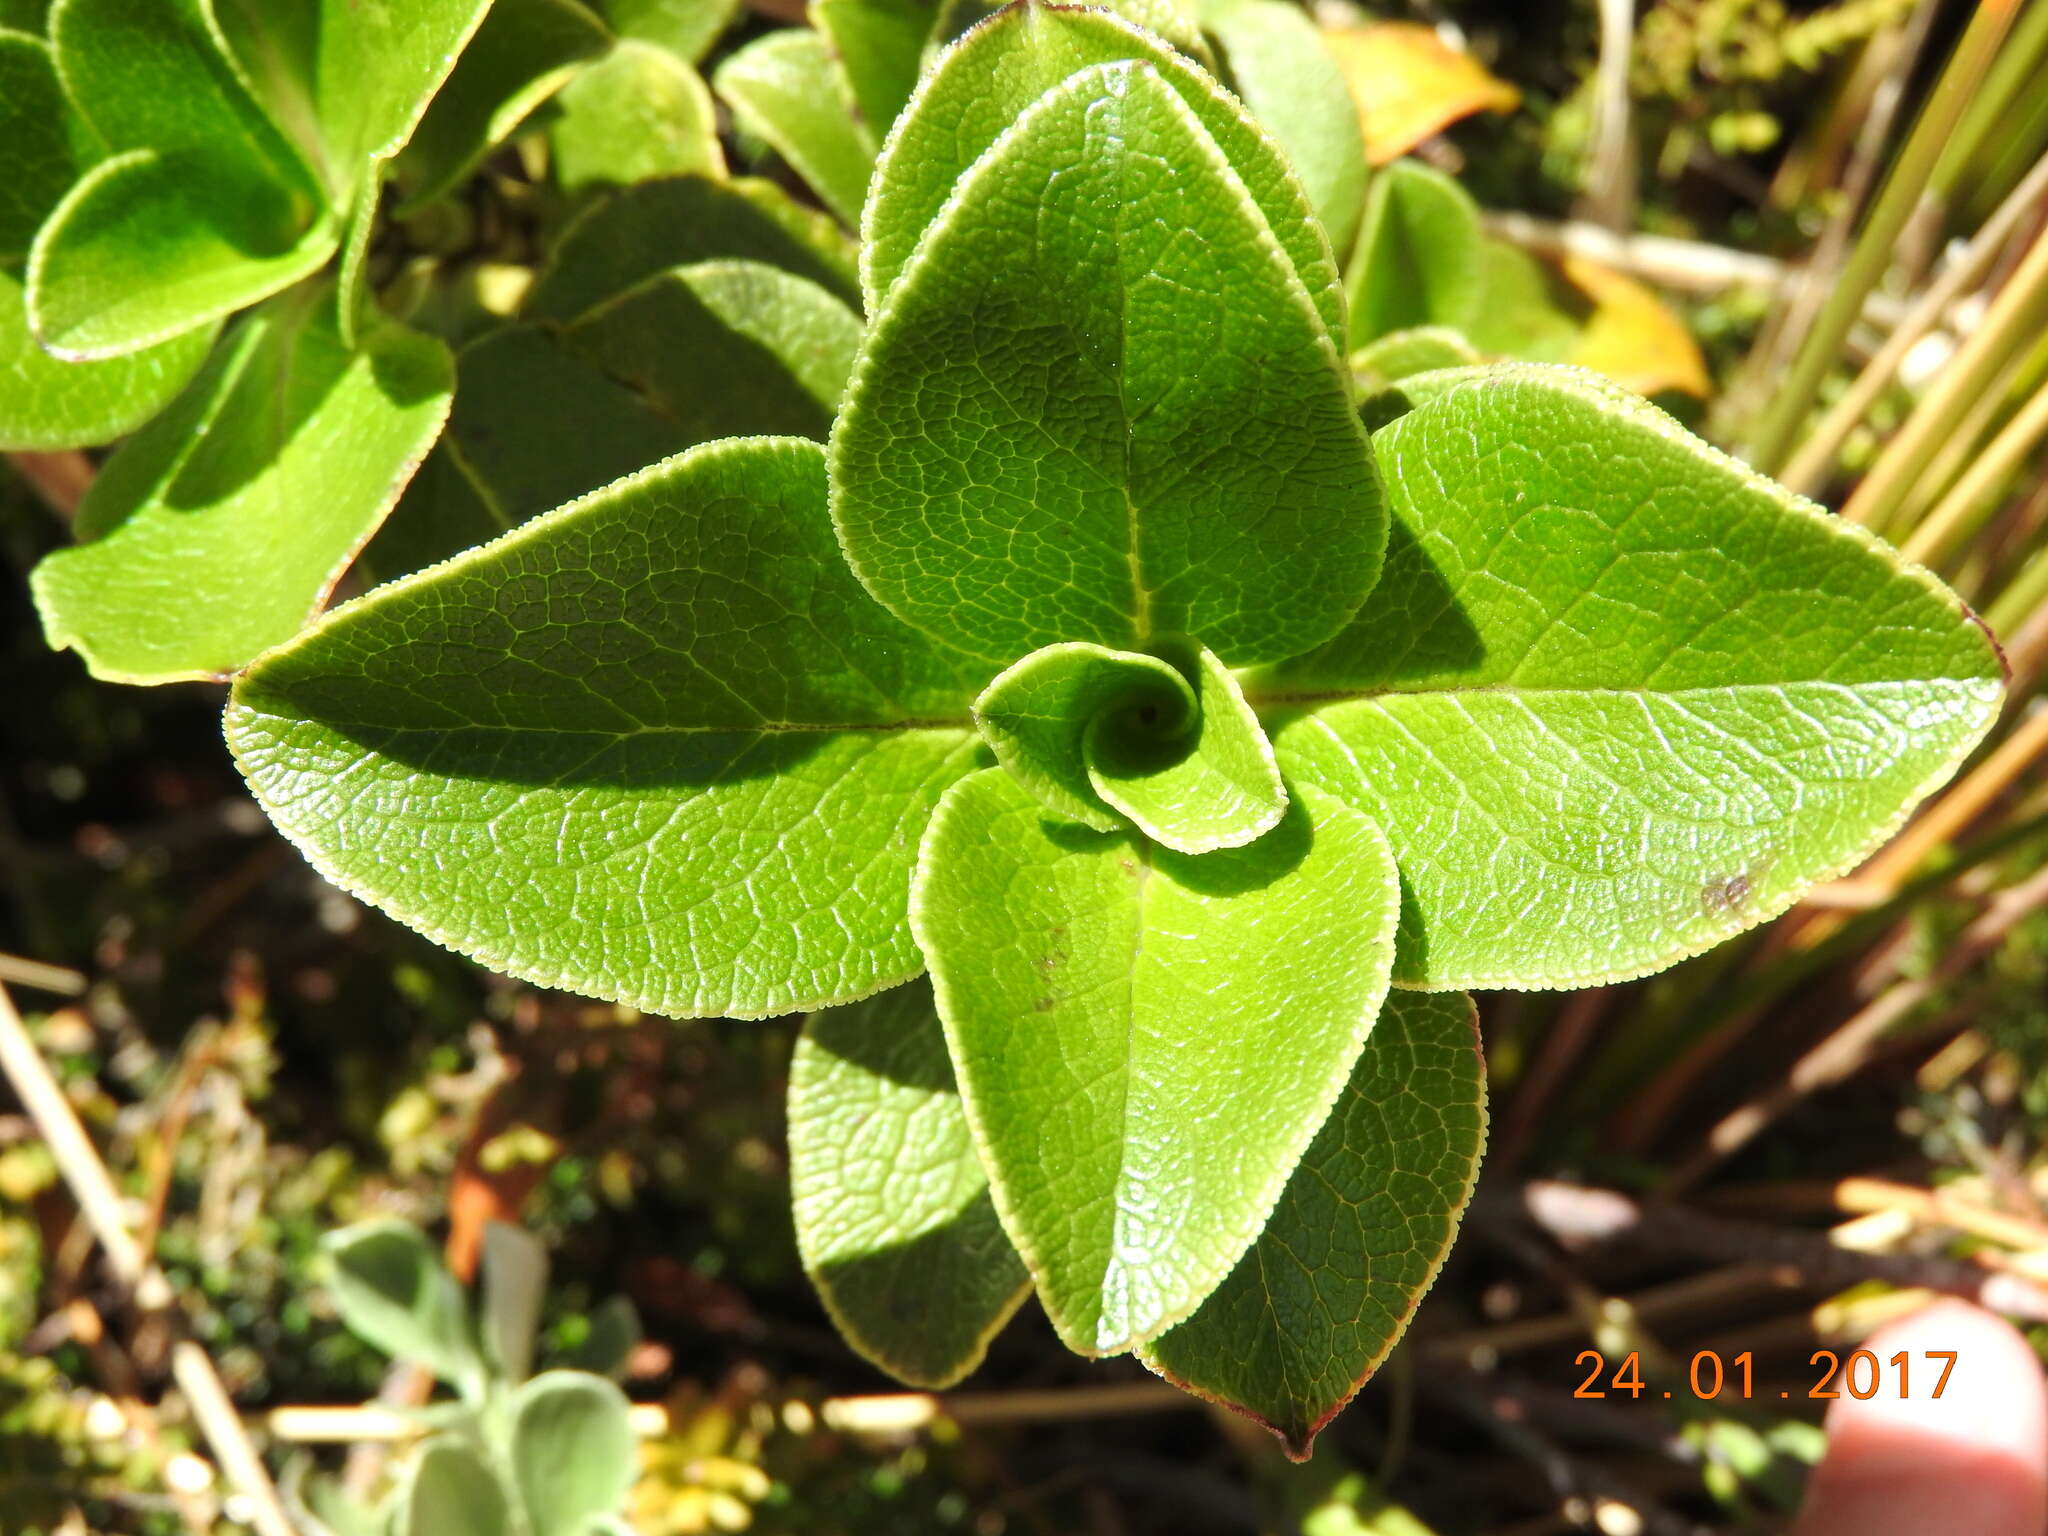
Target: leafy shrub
{"points": [[1073, 628]]}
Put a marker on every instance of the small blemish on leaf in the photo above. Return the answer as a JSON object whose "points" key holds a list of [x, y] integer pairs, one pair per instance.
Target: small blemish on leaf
{"points": [[1725, 895]]}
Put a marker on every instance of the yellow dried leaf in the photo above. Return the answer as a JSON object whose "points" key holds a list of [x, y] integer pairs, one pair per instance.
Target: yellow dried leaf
{"points": [[1632, 336], [1409, 84]]}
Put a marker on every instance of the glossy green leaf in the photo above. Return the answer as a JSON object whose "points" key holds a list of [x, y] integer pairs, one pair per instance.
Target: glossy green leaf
{"points": [[46, 403], [1617, 697], [1035, 717], [686, 28], [788, 91], [624, 240], [1400, 354], [657, 746], [979, 87], [219, 529], [1276, 60], [637, 114], [352, 277], [1146, 1042], [880, 47], [525, 51], [147, 246], [1421, 255], [1328, 1289], [893, 1214], [713, 350], [573, 1451], [350, 79], [1101, 407], [44, 145], [515, 1283], [452, 1491], [393, 1292], [1211, 784]]}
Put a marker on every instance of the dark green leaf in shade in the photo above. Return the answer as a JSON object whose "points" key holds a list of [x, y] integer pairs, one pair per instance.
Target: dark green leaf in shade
{"points": [[525, 51], [1421, 255], [1329, 1287], [977, 89], [1101, 407], [623, 240], [788, 91], [637, 114], [442, 513], [218, 530], [1617, 696], [657, 746], [44, 145], [893, 1213], [1146, 1042]]}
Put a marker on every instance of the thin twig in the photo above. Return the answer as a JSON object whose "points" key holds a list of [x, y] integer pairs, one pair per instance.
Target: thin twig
{"points": [[58, 980], [1691, 266], [99, 1202], [61, 479]]}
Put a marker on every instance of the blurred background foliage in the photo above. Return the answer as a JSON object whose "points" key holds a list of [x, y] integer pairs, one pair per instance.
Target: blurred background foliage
{"points": [[1816, 230]]}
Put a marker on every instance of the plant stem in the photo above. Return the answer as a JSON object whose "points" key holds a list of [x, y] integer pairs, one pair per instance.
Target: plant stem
{"points": [[100, 1203], [1816, 456], [1873, 251], [1962, 511], [2011, 323]]}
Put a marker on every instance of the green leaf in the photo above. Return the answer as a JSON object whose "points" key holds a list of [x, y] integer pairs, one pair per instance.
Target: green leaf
{"points": [[442, 513], [980, 86], [1035, 717], [452, 1491], [537, 423], [1211, 785], [573, 1450], [147, 246], [44, 145], [637, 114], [1524, 309], [686, 28], [219, 529], [525, 51], [46, 403], [1421, 257], [203, 209], [515, 1275], [880, 46], [393, 1292], [624, 240], [352, 77], [787, 90], [724, 347], [1277, 62], [352, 280], [1400, 354], [1146, 1042], [1077, 419], [1641, 698], [893, 1214], [717, 349], [657, 746], [1328, 1289]]}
